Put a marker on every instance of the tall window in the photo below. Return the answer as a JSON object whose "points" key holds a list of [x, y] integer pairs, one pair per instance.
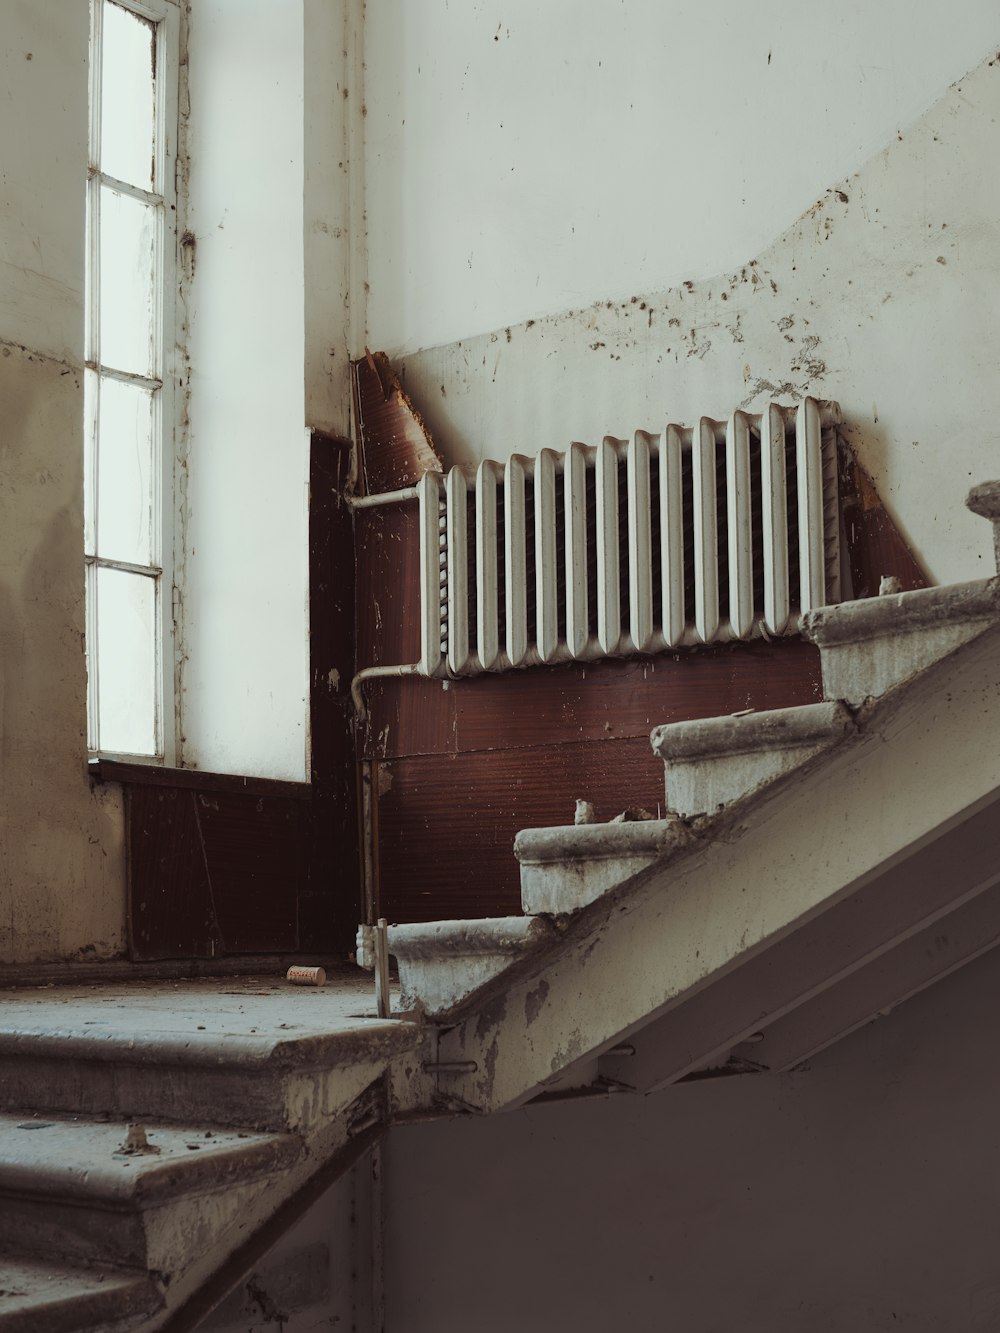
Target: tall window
{"points": [[128, 474]]}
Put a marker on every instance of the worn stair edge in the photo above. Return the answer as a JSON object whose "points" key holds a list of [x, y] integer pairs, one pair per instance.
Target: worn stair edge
{"points": [[41, 1297], [236, 1051], [565, 868], [714, 738], [284, 1101], [868, 647], [68, 1171], [712, 762], [96, 1077], [68, 1190], [443, 962]]}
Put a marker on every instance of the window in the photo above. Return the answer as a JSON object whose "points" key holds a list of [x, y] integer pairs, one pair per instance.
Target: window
{"points": [[129, 377]]}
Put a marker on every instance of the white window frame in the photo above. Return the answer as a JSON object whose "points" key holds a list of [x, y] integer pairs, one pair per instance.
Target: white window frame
{"points": [[166, 15]]}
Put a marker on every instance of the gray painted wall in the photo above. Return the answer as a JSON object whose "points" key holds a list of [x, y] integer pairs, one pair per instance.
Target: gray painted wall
{"points": [[857, 1197]]}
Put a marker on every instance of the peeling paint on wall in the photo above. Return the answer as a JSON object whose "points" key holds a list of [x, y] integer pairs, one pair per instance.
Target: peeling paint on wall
{"points": [[852, 302]]}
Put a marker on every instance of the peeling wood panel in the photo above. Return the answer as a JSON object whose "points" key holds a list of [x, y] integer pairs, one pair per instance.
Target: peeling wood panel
{"points": [[396, 447], [598, 702], [446, 823]]}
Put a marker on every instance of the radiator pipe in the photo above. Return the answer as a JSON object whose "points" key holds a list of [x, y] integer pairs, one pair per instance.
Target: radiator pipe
{"points": [[382, 498], [373, 673]]}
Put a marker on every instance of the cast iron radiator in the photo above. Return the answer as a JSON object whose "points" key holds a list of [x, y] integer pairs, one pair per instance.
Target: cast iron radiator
{"points": [[694, 535]]}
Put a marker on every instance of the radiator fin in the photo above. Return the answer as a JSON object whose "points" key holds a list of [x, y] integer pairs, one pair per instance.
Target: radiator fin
{"points": [[692, 536]]}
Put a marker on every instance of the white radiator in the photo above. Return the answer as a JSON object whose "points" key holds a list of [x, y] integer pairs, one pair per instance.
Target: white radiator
{"points": [[693, 536]]}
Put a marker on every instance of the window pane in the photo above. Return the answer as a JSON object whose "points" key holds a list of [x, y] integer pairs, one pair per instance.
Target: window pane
{"points": [[124, 483], [90, 394], [128, 249], [126, 653], [127, 96]]}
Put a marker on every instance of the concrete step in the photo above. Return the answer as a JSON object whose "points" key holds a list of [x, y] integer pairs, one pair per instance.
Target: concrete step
{"points": [[565, 868], [37, 1296], [151, 1197], [442, 963], [255, 1057], [712, 762], [869, 647], [709, 763]]}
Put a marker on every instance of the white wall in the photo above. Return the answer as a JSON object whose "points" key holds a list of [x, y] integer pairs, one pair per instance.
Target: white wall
{"points": [[245, 568], [334, 208], [61, 853], [885, 296], [526, 158], [856, 1197]]}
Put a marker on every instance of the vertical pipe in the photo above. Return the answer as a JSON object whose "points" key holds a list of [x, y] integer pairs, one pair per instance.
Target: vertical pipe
{"points": [[738, 513], [774, 518], [672, 536], [516, 560], [575, 505], [640, 561], [546, 567], [456, 494], [487, 635], [706, 536], [808, 453], [609, 626]]}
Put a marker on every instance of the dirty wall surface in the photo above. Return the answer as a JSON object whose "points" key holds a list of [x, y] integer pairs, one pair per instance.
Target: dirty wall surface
{"points": [[61, 854], [884, 295]]}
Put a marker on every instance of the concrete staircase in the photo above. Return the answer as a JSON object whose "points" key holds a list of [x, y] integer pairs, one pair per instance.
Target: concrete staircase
{"points": [[168, 1126], [816, 867]]}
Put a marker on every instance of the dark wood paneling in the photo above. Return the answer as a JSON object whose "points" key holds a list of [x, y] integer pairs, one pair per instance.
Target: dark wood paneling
{"points": [[602, 701], [447, 823], [213, 873], [330, 895], [388, 581], [257, 855], [169, 895]]}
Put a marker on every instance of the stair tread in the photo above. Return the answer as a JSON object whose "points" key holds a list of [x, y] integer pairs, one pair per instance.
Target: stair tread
{"points": [[217, 1022], [72, 1157], [38, 1296]]}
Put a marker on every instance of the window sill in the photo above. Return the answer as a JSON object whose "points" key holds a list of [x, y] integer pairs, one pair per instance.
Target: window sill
{"points": [[155, 775]]}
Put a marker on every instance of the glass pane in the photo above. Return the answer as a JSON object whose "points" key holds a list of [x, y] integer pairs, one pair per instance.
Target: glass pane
{"points": [[128, 250], [127, 96], [90, 393], [125, 474], [126, 656]]}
